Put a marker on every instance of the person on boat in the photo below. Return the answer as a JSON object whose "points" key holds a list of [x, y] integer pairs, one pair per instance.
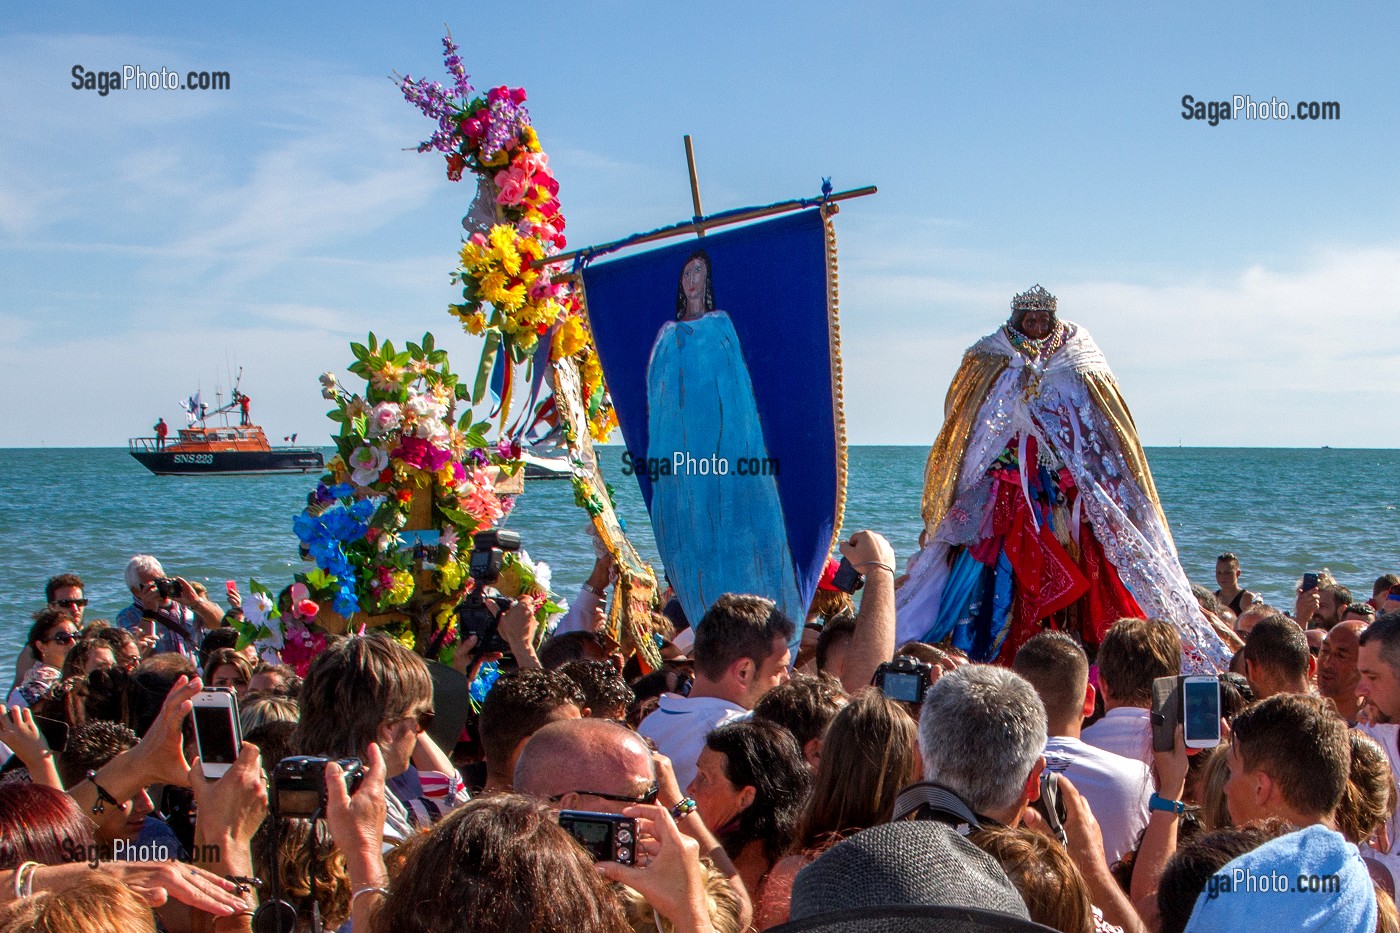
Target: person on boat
{"points": [[161, 430], [1039, 506], [243, 403]]}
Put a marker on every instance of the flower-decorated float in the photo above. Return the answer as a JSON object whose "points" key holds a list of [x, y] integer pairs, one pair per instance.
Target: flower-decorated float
{"points": [[390, 527]]}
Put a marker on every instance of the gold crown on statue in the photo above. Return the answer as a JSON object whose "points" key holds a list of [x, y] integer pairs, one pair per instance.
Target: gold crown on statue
{"points": [[1034, 299]]}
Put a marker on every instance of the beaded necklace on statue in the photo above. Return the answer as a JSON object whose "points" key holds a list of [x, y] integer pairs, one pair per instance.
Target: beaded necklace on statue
{"points": [[1041, 349]]}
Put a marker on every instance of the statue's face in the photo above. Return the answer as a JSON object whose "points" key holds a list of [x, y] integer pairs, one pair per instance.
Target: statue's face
{"points": [[1036, 324]]}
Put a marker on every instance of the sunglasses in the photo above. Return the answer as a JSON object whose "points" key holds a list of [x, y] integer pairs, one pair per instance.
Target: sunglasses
{"points": [[63, 638], [648, 797], [71, 603]]}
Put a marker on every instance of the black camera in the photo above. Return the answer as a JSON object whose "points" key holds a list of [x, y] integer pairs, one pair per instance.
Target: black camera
{"points": [[166, 588], [299, 785], [904, 679], [607, 836], [847, 579], [488, 553], [474, 616]]}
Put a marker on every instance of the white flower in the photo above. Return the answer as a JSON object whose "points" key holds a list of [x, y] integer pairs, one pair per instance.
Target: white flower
{"points": [[383, 418], [328, 380], [366, 463], [256, 609], [425, 407], [542, 576]]}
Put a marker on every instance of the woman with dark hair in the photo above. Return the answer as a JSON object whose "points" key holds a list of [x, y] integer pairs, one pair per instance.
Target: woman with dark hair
{"points": [[41, 824], [498, 863], [749, 787], [717, 532], [89, 654], [869, 753], [50, 637]]}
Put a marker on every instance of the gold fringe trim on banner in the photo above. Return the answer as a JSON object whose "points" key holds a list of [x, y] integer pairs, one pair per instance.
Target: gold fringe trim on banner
{"points": [[838, 410]]}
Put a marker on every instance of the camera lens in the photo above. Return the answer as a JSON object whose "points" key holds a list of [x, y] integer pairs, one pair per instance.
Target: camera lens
{"points": [[624, 836]]}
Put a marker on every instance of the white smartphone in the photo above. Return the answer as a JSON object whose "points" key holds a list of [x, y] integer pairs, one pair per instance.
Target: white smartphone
{"points": [[1200, 702], [216, 730]]}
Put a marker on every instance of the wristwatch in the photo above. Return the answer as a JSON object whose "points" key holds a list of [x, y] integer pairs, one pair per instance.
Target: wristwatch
{"points": [[1166, 806]]}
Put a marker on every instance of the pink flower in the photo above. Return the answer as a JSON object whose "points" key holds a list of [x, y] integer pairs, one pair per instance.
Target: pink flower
{"points": [[514, 183], [417, 452], [383, 418], [299, 593], [534, 163], [478, 239], [305, 609]]}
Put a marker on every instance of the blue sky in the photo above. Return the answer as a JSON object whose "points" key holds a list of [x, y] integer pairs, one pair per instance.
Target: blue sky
{"points": [[1243, 279]]}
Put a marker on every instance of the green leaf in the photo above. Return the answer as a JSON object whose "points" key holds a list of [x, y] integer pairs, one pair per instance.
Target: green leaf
{"points": [[403, 359], [458, 517], [360, 424], [337, 415], [373, 343], [415, 351], [387, 350], [428, 345], [359, 350]]}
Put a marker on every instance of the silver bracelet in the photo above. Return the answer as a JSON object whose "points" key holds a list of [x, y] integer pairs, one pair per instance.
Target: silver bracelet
{"points": [[367, 889], [24, 879]]}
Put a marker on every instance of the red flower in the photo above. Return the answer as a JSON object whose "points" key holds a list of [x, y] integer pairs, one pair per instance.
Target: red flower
{"points": [[405, 495], [455, 164]]}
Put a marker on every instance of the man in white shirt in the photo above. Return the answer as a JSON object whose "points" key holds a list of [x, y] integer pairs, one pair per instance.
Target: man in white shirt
{"points": [[1117, 788], [1134, 653], [741, 652]]}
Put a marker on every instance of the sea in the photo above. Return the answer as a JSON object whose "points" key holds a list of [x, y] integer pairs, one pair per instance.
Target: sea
{"points": [[87, 510]]}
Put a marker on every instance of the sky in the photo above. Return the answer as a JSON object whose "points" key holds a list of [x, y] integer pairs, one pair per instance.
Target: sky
{"points": [[1243, 279]]}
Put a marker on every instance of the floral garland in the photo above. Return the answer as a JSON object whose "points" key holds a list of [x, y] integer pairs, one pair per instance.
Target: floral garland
{"points": [[403, 464], [507, 297]]}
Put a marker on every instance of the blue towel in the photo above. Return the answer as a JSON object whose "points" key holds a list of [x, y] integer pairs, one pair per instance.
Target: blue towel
{"points": [[1309, 880]]}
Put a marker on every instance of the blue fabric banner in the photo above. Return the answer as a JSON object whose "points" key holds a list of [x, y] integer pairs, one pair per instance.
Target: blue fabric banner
{"points": [[719, 359]]}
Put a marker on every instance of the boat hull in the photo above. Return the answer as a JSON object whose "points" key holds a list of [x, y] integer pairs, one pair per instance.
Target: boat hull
{"points": [[231, 462]]}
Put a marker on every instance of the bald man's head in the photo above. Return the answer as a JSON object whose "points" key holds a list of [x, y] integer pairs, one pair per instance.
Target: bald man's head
{"points": [[575, 760]]}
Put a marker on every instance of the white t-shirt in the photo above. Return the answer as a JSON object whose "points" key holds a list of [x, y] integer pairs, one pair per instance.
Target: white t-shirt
{"points": [[1386, 736], [1116, 788], [679, 726], [1125, 731]]}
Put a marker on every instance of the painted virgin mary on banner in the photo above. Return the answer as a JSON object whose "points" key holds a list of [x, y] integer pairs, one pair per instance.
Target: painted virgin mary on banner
{"points": [[1039, 508]]}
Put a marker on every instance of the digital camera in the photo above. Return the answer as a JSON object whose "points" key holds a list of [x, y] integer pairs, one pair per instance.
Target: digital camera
{"points": [[607, 836], [904, 679], [299, 785]]}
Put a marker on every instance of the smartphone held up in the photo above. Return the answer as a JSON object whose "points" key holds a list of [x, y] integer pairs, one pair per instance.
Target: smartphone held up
{"points": [[216, 730]]}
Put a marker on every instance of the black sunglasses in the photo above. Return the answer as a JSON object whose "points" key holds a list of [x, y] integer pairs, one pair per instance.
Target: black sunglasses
{"points": [[71, 603], [63, 638], [648, 797]]}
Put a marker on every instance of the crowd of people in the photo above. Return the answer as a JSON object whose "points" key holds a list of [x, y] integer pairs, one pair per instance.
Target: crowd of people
{"points": [[735, 788]]}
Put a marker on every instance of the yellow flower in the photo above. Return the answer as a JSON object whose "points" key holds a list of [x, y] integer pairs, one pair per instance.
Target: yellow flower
{"points": [[601, 427], [530, 139], [401, 589], [406, 639], [569, 339], [501, 236], [450, 576], [471, 254], [387, 377]]}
